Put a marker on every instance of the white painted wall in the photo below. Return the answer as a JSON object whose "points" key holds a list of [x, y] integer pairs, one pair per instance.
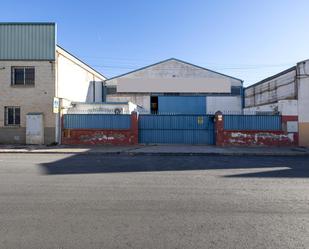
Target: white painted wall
{"points": [[303, 91], [142, 100], [174, 85], [303, 102], [273, 90], [104, 108], [171, 71], [225, 104], [285, 107], [75, 80]]}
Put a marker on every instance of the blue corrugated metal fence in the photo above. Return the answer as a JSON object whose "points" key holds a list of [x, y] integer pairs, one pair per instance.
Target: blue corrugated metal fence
{"points": [[252, 122], [182, 104], [176, 129], [97, 121]]}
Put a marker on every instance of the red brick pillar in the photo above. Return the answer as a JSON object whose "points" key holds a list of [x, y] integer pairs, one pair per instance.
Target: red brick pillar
{"points": [[134, 128], [219, 128]]}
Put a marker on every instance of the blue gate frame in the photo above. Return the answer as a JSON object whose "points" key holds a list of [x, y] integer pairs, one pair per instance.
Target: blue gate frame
{"points": [[176, 129]]}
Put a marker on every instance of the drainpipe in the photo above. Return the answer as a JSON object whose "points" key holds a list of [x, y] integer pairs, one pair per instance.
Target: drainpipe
{"points": [[60, 120], [103, 99], [242, 98], [93, 90]]}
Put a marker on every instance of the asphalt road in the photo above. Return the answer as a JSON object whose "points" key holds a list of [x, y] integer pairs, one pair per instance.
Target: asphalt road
{"points": [[92, 201]]}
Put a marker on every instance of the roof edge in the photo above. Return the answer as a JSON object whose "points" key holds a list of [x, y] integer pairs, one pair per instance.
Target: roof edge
{"points": [[58, 46], [273, 77], [27, 23], [170, 59]]}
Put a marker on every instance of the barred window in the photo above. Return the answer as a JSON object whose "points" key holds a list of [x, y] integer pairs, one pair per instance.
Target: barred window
{"points": [[236, 90], [23, 76], [111, 90], [11, 115]]}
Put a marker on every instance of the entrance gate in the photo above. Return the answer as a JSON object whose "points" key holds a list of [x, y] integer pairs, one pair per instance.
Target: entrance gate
{"points": [[176, 129]]}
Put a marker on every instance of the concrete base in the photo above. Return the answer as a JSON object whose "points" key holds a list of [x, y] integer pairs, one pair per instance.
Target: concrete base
{"points": [[13, 135], [17, 135]]}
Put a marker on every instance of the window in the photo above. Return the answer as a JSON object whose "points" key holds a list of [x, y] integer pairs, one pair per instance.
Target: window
{"points": [[111, 90], [11, 115], [23, 76], [236, 90]]}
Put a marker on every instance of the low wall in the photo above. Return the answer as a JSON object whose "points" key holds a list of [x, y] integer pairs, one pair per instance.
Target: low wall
{"points": [[288, 136], [102, 136]]}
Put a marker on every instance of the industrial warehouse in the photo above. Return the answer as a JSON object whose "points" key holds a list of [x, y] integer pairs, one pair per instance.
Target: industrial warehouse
{"points": [[50, 97]]}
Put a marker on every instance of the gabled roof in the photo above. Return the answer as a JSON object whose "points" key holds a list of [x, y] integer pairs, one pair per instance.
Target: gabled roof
{"points": [[172, 59]]}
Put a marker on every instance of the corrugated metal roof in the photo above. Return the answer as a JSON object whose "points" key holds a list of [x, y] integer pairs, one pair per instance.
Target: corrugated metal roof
{"points": [[27, 41]]}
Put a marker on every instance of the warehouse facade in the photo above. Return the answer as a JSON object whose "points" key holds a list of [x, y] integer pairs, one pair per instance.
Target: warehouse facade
{"points": [[35, 74], [286, 93], [178, 87]]}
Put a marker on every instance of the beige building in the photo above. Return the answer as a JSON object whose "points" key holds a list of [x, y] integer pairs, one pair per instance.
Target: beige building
{"points": [[286, 93], [36, 75]]}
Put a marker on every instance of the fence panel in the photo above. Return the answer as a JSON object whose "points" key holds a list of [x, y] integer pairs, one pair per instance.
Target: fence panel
{"points": [[252, 122], [97, 121]]}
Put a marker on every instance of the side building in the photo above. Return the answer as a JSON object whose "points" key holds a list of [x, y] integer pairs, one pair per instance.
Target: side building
{"points": [[178, 87], [35, 74], [286, 93]]}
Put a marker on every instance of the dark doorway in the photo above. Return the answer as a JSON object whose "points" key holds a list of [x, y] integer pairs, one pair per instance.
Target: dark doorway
{"points": [[154, 104]]}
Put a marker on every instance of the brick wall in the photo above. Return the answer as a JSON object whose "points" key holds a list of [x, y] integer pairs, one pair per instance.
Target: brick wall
{"points": [[103, 136], [255, 138]]}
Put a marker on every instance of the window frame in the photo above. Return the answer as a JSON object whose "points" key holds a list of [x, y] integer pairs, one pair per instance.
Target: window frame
{"points": [[6, 116], [236, 90], [24, 68]]}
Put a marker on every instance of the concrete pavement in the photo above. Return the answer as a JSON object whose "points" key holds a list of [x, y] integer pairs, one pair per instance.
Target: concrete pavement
{"points": [[159, 150]]}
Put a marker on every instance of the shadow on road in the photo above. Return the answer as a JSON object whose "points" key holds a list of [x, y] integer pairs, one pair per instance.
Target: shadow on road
{"points": [[297, 167]]}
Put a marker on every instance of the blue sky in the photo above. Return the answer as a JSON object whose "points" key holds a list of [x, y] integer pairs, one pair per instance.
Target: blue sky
{"points": [[246, 39]]}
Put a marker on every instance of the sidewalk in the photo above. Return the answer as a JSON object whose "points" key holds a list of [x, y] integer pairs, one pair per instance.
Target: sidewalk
{"points": [[162, 150]]}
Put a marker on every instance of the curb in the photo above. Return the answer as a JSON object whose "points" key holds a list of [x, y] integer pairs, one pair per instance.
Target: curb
{"points": [[131, 153], [216, 154]]}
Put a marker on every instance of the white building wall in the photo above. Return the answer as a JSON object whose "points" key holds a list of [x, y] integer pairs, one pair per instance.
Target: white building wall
{"points": [[171, 76], [141, 100], [273, 90], [105, 108], [174, 85], [303, 102], [284, 107], [225, 104], [76, 81], [174, 69]]}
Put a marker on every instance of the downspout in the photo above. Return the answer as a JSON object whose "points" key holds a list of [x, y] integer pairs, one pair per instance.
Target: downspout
{"points": [[103, 92], [58, 119], [242, 98], [93, 85]]}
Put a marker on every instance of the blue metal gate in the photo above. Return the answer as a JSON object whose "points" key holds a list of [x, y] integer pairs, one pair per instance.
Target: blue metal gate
{"points": [[176, 129]]}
